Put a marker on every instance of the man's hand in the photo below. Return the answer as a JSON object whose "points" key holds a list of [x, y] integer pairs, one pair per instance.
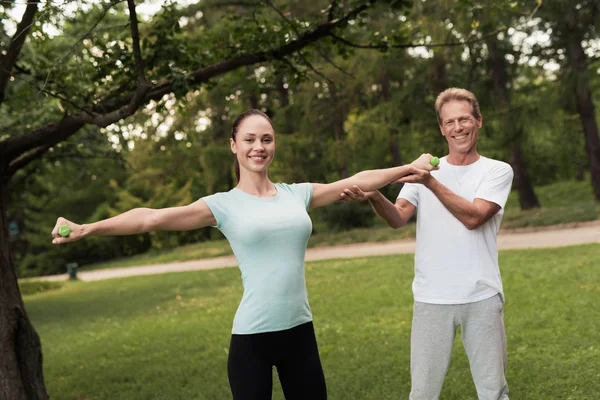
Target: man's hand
{"points": [[355, 194], [417, 175]]}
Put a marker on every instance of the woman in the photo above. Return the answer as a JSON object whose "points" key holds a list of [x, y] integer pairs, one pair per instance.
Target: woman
{"points": [[268, 227]]}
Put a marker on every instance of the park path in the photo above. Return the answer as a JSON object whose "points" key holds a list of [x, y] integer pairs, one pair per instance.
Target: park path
{"points": [[555, 236]]}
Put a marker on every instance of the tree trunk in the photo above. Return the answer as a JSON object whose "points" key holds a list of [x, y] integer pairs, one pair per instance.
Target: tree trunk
{"points": [[527, 197], [585, 109], [513, 134], [339, 133], [284, 98], [439, 77], [21, 373], [253, 100], [386, 95]]}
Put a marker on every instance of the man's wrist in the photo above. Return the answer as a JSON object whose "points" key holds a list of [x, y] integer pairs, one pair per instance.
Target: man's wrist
{"points": [[430, 182], [374, 197]]}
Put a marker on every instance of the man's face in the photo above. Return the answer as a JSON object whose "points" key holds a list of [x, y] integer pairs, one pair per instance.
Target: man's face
{"points": [[460, 127]]}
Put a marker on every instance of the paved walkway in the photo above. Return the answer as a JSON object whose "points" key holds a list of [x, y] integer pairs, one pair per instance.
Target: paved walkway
{"points": [[556, 236]]}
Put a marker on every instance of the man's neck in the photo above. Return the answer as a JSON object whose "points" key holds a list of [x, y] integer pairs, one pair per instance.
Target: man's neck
{"points": [[462, 159]]}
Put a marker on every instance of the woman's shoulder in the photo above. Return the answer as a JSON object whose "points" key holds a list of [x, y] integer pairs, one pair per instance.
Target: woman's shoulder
{"points": [[220, 196], [294, 187]]}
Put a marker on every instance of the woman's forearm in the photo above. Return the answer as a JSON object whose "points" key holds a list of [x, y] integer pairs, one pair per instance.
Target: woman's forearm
{"points": [[374, 179], [130, 222]]}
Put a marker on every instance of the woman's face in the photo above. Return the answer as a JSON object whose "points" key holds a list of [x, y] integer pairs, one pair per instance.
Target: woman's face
{"points": [[254, 144]]}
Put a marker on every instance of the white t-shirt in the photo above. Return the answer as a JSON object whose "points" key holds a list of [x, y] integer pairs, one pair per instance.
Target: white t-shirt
{"points": [[454, 265]]}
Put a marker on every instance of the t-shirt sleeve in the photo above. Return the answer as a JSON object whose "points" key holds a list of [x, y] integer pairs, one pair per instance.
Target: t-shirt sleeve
{"points": [[496, 187], [218, 204], [303, 191], [410, 192]]}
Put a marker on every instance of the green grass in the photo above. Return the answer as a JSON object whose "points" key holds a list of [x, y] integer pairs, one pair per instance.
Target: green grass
{"points": [[33, 287], [213, 248], [166, 336], [562, 202]]}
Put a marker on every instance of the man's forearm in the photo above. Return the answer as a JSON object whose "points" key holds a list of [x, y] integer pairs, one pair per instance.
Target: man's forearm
{"points": [[462, 209], [386, 210]]}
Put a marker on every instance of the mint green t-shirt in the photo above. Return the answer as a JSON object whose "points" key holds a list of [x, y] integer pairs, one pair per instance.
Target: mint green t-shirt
{"points": [[268, 237]]}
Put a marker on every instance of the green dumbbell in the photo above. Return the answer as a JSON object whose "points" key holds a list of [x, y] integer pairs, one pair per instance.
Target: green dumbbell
{"points": [[64, 231], [434, 161]]}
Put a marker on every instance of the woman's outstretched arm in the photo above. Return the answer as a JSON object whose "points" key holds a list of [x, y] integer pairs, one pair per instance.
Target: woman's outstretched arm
{"points": [[325, 194], [139, 220]]}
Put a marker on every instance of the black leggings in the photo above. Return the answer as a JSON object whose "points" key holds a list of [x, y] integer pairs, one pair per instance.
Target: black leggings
{"points": [[295, 354]]}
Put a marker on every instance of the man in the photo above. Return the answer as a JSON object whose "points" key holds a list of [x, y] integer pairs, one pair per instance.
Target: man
{"points": [[457, 279]]}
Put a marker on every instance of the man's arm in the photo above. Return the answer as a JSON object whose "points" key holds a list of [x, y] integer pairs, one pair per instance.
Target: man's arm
{"points": [[395, 215], [471, 214]]}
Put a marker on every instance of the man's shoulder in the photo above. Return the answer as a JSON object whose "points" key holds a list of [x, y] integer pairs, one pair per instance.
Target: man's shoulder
{"points": [[495, 165]]}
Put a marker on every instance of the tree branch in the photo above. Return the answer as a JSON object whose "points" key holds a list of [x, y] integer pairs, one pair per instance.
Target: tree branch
{"points": [[142, 84], [412, 45], [334, 65], [293, 67], [25, 159], [430, 45], [33, 83], [312, 68], [331, 11], [280, 13], [216, 4], [117, 109], [15, 46], [105, 11]]}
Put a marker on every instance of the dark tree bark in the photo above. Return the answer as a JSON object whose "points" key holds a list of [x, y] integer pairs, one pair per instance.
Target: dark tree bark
{"points": [[386, 95], [522, 182], [338, 116], [585, 109], [513, 134], [439, 75], [284, 99], [21, 373]]}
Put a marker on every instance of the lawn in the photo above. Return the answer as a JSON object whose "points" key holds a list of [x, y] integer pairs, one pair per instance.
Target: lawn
{"points": [[166, 336], [563, 202]]}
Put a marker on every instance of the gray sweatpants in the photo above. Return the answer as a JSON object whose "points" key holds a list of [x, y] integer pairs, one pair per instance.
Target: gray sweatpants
{"points": [[484, 339]]}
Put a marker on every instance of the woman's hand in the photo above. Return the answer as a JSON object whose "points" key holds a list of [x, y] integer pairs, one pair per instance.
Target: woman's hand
{"points": [[75, 235], [423, 162], [355, 194]]}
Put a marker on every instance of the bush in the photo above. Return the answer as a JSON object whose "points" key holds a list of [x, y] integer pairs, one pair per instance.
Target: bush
{"points": [[343, 216]]}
